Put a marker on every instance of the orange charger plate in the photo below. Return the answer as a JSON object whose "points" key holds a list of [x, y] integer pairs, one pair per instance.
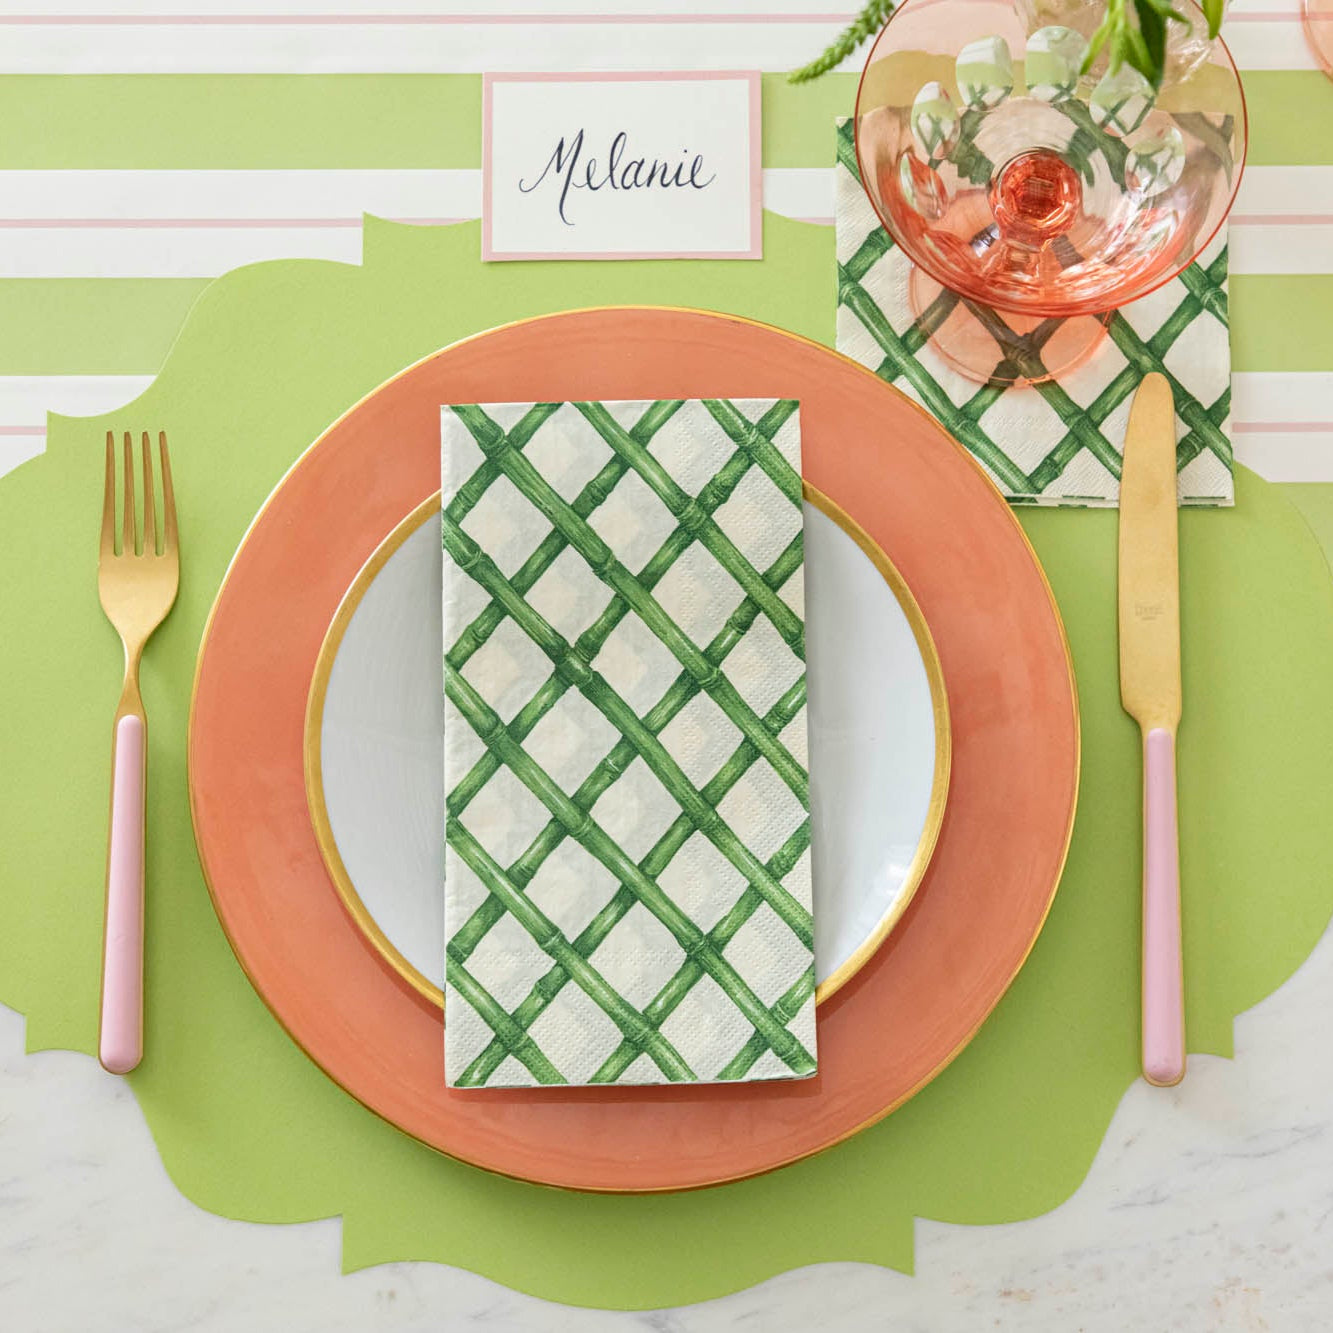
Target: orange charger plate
{"points": [[908, 1012]]}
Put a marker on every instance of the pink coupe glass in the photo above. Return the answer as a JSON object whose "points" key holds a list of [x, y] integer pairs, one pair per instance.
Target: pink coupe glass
{"points": [[1033, 199]]}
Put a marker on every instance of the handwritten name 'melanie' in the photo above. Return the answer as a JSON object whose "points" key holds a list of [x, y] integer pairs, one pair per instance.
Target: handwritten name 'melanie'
{"points": [[568, 168]]}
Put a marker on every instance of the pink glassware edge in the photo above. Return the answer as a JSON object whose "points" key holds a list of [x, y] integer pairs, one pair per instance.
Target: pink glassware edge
{"points": [[1082, 307]]}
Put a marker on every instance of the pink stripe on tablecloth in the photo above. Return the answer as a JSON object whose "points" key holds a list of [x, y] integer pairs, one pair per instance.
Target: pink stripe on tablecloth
{"points": [[280, 223], [131, 224], [1282, 427], [1237, 428], [404, 20], [258, 224], [1281, 219], [306, 20]]}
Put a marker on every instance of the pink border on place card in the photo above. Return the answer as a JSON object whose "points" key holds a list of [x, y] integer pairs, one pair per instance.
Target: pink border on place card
{"points": [[756, 250]]}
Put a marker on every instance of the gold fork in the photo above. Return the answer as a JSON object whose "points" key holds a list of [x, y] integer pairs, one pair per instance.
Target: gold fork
{"points": [[137, 586]]}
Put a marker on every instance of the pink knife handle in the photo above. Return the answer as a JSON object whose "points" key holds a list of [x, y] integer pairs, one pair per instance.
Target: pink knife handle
{"points": [[120, 1045], [1163, 976]]}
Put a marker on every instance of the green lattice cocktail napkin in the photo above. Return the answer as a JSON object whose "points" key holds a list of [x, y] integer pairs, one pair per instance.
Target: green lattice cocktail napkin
{"points": [[627, 865], [1058, 443]]}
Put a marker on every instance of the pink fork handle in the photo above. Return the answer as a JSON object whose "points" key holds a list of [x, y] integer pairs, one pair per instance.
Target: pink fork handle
{"points": [[120, 1045], [1163, 975]]}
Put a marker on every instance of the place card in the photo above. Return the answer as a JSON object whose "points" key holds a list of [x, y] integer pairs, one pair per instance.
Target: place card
{"points": [[621, 166]]}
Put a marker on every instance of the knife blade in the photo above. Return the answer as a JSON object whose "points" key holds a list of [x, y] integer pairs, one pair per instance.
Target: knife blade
{"points": [[1150, 690]]}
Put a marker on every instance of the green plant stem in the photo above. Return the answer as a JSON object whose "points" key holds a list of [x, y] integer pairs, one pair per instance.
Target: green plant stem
{"points": [[868, 22], [1133, 30]]}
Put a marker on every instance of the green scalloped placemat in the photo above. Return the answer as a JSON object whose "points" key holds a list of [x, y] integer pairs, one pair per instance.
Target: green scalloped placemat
{"points": [[247, 1127]]}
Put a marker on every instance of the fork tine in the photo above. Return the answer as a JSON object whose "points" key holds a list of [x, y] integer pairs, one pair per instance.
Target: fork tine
{"points": [[109, 498], [169, 536], [149, 517], [127, 529]]}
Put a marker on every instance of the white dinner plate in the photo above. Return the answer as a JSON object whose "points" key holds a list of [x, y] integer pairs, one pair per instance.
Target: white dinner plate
{"points": [[878, 732]]}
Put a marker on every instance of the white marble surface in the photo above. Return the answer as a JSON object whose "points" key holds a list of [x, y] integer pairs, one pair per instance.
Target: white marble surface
{"points": [[1208, 1207]]}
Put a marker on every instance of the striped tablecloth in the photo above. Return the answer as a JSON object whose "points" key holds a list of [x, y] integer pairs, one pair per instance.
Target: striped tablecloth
{"points": [[147, 146]]}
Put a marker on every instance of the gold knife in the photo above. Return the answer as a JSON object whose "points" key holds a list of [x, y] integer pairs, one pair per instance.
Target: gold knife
{"points": [[1150, 691]]}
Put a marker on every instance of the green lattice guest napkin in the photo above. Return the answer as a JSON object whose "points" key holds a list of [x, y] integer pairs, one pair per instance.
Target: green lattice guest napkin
{"points": [[627, 866], [1060, 442]]}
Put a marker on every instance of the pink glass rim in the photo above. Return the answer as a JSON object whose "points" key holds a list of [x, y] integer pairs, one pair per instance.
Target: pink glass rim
{"points": [[978, 291], [1317, 20]]}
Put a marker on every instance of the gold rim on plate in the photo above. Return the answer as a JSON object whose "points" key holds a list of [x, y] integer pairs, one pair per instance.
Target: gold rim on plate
{"points": [[347, 608]]}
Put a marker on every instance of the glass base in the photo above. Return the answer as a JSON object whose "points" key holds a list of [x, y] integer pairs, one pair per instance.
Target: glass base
{"points": [[1001, 347]]}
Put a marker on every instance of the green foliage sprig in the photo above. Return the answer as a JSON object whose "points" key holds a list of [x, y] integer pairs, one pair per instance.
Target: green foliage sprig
{"points": [[1139, 38], [1133, 32], [866, 24]]}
